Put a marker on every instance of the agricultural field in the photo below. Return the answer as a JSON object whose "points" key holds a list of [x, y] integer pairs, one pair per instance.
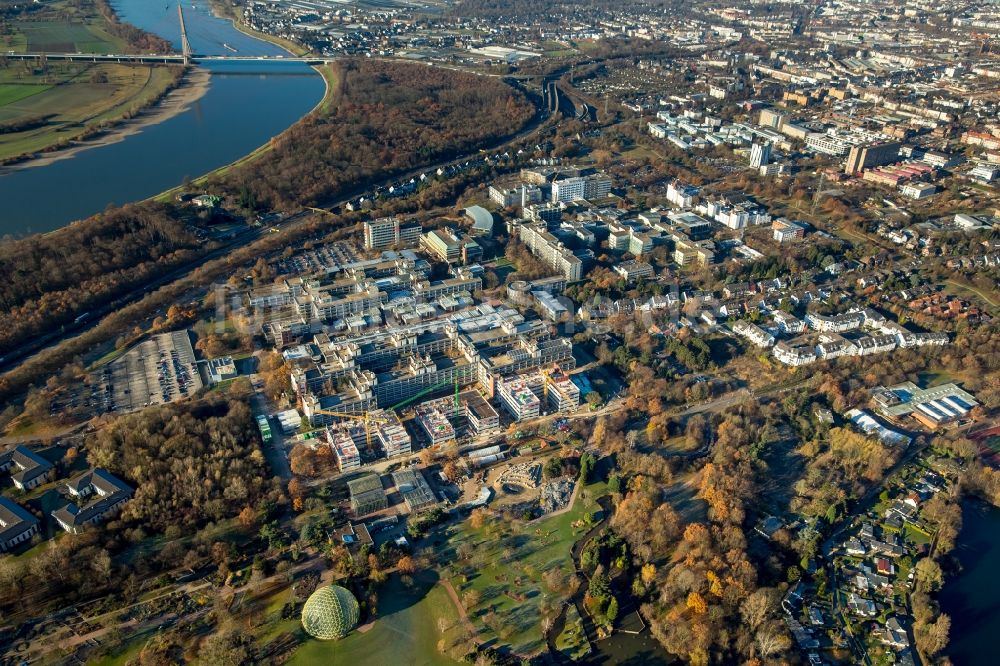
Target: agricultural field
{"points": [[57, 37], [47, 105], [65, 99]]}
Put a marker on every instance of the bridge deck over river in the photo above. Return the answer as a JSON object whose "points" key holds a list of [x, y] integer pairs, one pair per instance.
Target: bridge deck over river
{"points": [[167, 59]]}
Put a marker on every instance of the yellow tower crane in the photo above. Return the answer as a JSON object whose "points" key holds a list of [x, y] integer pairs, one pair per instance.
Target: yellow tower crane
{"points": [[368, 418]]}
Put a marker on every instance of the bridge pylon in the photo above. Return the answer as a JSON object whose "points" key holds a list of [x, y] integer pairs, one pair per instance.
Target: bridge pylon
{"points": [[185, 44]]}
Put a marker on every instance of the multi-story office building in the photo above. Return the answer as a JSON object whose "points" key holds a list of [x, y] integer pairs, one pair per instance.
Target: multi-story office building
{"points": [[345, 450], [772, 119], [448, 247], [785, 231], [392, 436], [871, 155], [548, 213], [517, 398], [435, 425], [760, 155], [586, 187], [522, 195], [634, 270], [443, 244], [381, 233]]}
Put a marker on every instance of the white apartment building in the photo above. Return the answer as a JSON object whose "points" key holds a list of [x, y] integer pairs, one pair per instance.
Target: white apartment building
{"points": [[381, 233], [582, 187], [551, 250]]}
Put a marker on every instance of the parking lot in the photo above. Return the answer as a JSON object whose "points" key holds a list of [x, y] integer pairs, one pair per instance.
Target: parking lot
{"points": [[157, 371]]}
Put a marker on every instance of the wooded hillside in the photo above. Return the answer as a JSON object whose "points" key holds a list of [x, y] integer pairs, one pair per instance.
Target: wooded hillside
{"points": [[49, 279], [387, 118]]}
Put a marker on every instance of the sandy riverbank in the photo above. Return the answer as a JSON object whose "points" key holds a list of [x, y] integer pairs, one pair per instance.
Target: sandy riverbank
{"points": [[193, 87]]}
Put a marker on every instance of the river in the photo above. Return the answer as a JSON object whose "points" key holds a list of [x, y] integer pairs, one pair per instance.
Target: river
{"points": [[970, 598], [245, 106]]}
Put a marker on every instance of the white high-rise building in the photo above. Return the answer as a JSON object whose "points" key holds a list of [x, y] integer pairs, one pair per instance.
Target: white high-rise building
{"points": [[760, 155]]}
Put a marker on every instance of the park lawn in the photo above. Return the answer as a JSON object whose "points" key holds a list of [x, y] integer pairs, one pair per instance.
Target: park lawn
{"points": [[404, 632], [572, 641], [514, 564]]}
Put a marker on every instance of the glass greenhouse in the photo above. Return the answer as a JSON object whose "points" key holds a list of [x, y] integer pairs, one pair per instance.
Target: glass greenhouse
{"points": [[330, 613]]}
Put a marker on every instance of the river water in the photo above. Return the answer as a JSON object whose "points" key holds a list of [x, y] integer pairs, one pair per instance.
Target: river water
{"points": [[970, 598], [245, 106]]}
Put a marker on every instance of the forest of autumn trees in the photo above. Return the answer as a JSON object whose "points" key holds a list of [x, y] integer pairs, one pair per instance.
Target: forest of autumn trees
{"points": [[50, 279], [387, 118], [190, 463]]}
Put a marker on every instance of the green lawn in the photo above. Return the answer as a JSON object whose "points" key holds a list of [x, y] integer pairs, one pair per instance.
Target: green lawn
{"points": [[405, 631], [507, 568], [13, 92], [915, 534], [572, 641]]}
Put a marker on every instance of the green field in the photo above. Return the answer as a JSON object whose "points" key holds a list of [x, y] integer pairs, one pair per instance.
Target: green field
{"points": [[14, 92], [405, 631], [70, 97], [508, 565], [59, 37], [75, 95]]}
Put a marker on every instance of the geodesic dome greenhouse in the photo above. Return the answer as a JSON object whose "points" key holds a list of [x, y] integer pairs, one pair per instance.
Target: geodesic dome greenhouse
{"points": [[330, 613]]}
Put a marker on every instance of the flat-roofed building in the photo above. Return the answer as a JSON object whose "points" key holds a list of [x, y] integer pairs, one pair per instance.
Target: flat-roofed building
{"points": [[933, 407], [481, 416], [871, 155], [434, 423], [381, 233], [517, 398], [786, 231], [443, 244], [635, 270], [551, 251], [345, 450], [393, 437], [586, 187], [562, 394]]}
